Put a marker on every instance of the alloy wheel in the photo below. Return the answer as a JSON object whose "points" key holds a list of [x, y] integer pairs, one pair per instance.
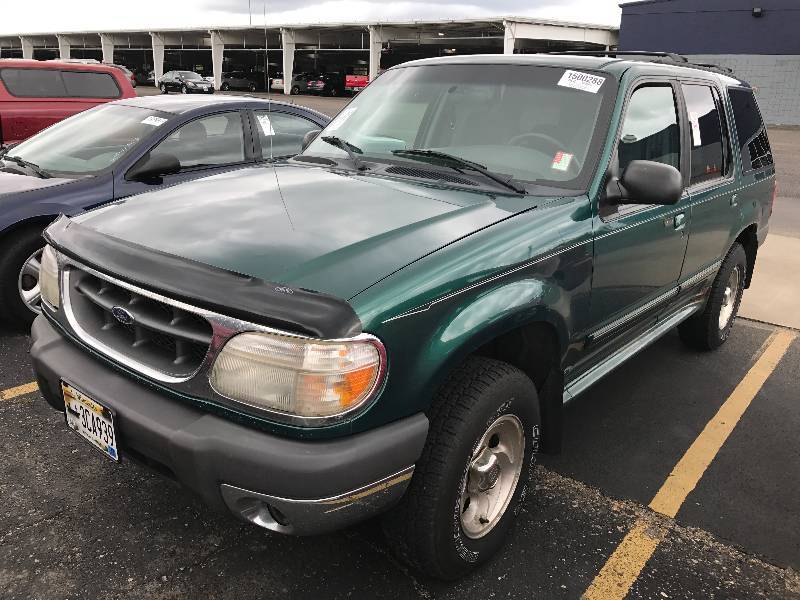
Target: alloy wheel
{"points": [[729, 298], [28, 282], [492, 477]]}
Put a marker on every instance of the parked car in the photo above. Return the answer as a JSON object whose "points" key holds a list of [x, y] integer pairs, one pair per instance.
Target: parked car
{"points": [[128, 73], [121, 149], [35, 94], [300, 83], [276, 83], [392, 320], [237, 80], [185, 82], [356, 83], [327, 84]]}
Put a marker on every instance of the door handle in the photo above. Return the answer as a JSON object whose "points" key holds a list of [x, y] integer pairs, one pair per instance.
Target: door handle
{"points": [[680, 221]]}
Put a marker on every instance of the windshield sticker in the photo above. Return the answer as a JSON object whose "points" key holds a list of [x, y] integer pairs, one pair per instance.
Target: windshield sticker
{"points": [[266, 125], [581, 81], [561, 161], [154, 121], [342, 118]]}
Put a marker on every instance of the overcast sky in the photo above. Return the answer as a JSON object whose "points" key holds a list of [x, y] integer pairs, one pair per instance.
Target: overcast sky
{"points": [[87, 15]]}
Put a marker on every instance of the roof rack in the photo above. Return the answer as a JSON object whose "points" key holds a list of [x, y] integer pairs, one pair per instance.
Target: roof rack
{"points": [[656, 57]]}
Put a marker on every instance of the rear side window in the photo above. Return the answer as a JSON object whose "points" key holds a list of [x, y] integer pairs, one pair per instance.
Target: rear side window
{"points": [[708, 138], [90, 85], [34, 83], [753, 141], [52, 83]]}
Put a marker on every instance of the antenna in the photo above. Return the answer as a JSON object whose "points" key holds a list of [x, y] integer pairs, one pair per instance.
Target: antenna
{"points": [[269, 84]]}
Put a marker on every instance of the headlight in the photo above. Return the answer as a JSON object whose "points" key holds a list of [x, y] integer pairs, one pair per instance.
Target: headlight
{"points": [[48, 277], [298, 376]]}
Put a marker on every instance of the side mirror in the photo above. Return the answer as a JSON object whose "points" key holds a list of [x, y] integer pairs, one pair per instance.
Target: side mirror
{"points": [[646, 182], [308, 138], [152, 167]]}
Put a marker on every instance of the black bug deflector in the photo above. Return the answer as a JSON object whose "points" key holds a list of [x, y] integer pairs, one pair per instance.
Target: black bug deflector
{"points": [[229, 293]]}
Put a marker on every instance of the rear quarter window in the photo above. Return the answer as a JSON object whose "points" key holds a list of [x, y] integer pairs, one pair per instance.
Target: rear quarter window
{"points": [[54, 83], [750, 130]]}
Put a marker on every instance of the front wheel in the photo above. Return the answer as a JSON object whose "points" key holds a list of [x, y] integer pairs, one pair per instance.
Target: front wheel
{"points": [[20, 296], [710, 328], [163, 88], [294, 91], [184, 89], [225, 87], [252, 87], [474, 471]]}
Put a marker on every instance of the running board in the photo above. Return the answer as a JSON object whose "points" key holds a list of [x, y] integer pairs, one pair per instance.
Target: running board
{"points": [[596, 373]]}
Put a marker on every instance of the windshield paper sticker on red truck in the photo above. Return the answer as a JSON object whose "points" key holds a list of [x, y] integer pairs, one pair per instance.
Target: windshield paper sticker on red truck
{"points": [[561, 161], [581, 81]]}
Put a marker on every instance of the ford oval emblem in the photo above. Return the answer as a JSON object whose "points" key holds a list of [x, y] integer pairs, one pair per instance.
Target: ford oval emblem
{"points": [[122, 315]]}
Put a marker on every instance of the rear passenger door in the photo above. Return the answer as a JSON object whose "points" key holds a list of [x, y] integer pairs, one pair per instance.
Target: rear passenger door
{"points": [[639, 249], [714, 202]]}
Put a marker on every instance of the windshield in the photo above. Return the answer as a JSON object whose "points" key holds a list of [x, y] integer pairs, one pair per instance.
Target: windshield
{"points": [[531, 123], [189, 75], [90, 141]]}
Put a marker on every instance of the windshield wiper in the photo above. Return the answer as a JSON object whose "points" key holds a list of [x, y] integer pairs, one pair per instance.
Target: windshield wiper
{"points": [[28, 165], [347, 147], [462, 162]]}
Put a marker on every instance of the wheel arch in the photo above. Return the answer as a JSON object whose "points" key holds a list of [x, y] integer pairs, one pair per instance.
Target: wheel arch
{"points": [[28, 222], [748, 238]]}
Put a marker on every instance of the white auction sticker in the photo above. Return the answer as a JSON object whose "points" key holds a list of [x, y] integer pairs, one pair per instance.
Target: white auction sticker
{"points": [[154, 121], [581, 81], [341, 118], [561, 161], [266, 125]]}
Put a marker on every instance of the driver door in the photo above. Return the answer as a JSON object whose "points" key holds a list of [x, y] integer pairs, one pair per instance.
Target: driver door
{"points": [[204, 146], [639, 249]]}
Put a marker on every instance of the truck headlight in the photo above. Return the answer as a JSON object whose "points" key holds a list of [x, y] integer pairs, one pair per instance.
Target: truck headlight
{"points": [[299, 376], [48, 277]]}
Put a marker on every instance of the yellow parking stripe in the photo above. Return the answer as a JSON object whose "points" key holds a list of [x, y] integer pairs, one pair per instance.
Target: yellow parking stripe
{"points": [[20, 390], [626, 563]]}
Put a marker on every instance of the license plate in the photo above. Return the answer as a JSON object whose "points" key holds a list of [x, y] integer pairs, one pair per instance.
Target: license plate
{"points": [[91, 420]]}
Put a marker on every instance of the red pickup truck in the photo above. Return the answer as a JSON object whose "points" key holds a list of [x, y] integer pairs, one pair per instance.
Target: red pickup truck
{"points": [[35, 94], [355, 83]]}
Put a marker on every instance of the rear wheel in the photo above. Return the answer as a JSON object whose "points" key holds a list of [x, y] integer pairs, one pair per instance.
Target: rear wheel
{"points": [[710, 328], [184, 89], [474, 471], [295, 90], [20, 296], [225, 87], [163, 88], [252, 87], [334, 92]]}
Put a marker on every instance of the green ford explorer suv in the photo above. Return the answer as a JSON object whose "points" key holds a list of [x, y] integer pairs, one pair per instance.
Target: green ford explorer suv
{"points": [[391, 321]]}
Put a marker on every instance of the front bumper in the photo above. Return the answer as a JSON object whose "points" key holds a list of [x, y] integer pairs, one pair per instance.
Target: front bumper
{"points": [[287, 485]]}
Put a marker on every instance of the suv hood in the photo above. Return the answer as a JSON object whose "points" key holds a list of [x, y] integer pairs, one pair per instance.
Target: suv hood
{"points": [[302, 226]]}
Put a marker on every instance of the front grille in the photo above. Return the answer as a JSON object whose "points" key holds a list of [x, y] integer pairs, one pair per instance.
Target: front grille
{"points": [[159, 336], [428, 174]]}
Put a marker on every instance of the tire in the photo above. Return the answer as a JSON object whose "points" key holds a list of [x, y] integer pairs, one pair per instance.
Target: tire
{"points": [[184, 89], [294, 91], [334, 92], [252, 87], [428, 528], [163, 89], [709, 329], [224, 87], [16, 250]]}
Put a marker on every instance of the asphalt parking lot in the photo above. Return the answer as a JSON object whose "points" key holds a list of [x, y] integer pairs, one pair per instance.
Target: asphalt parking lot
{"points": [[75, 525]]}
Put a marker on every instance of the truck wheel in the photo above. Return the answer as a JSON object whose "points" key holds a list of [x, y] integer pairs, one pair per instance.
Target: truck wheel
{"points": [[708, 330], [474, 471], [19, 277]]}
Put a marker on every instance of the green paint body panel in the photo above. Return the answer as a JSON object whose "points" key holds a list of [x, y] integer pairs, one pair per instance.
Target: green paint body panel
{"points": [[436, 272]]}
